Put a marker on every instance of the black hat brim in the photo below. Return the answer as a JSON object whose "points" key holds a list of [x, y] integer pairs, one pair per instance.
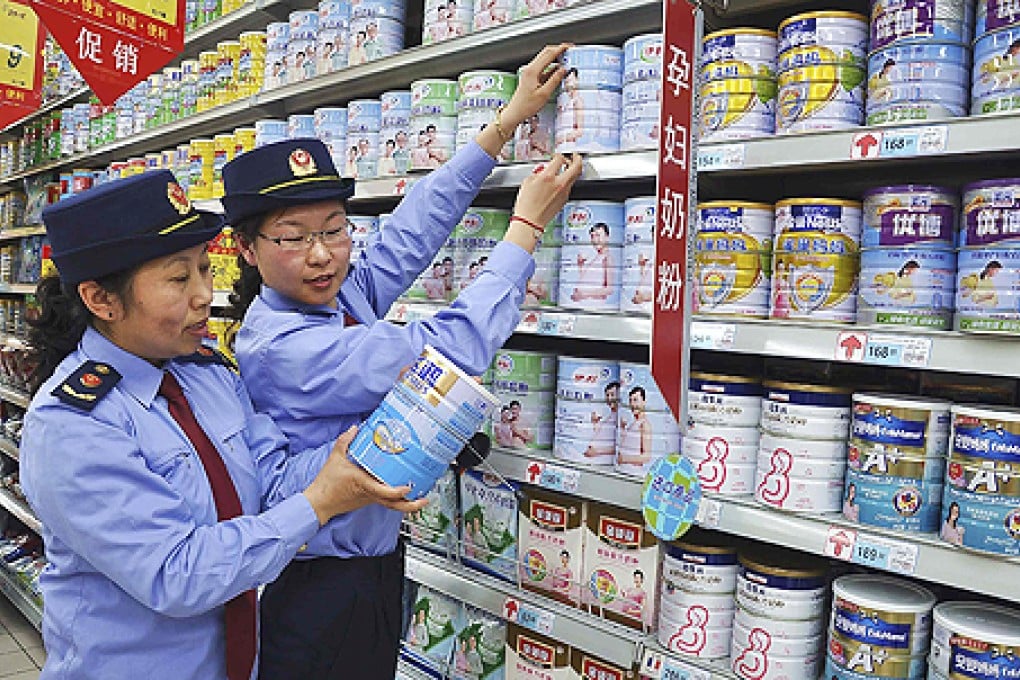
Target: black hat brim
{"points": [[239, 206], [115, 256]]}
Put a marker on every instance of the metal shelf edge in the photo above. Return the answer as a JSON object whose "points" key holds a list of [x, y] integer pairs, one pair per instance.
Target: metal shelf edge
{"points": [[15, 592], [20, 510], [9, 448], [15, 396], [614, 643]]}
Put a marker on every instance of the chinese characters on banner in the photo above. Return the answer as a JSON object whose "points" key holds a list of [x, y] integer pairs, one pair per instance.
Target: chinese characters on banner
{"points": [[115, 44], [672, 300], [21, 61]]}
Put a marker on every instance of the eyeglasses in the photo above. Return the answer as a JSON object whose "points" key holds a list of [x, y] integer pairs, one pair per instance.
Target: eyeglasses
{"points": [[329, 238]]}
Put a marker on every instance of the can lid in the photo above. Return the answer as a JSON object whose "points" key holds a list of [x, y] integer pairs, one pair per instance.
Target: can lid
{"points": [[898, 401], [708, 205], [740, 31], [883, 593], [818, 201], [643, 36], [1013, 182], [785, 565], [802, 387], [989, 623], [719, 377], [985, 413], [826, 14]]}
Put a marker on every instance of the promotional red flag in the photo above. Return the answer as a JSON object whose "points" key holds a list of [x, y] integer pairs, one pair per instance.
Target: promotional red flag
{"points": [[671, 311], [115, 44], [21, 61]]}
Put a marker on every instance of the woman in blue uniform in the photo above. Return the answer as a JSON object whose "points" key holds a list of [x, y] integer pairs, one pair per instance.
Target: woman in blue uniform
{"points": [[164, 498], [317, 355]]}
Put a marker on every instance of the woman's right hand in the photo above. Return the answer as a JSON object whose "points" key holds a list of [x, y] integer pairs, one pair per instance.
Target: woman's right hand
{"points": [[342, 486], [541, 197]]}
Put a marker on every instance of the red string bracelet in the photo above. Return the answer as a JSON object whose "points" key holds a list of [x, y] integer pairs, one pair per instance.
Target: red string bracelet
{"points": [[528, 222]]}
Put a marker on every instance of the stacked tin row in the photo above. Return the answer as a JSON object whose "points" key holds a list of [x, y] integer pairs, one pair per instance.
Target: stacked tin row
{"points": [[642, 85], [802, 452], [589, 106], [445, 19], [996, 74], [908, 256], [815, 259], [480, 94], [919, 64], [821, 67], [733, 258], [363, 228], [364, 121], [525, 385], [591, 258], [638, 283], [880, 627], [473, 239], [738, 84], [433, 122], [394, 133], [896, 459], [722, 435], [333, 38], [376, 30], [697, 605], [543, 288], [778, 627], [988, 271], [587, 405], [330, 125], [646, 429]]}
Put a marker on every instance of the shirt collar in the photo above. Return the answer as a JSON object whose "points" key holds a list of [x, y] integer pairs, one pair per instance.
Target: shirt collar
{"points": [[279, 302], [140, 378]]}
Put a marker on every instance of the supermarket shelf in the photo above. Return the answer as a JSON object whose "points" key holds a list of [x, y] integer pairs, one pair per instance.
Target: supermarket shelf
{"points": [[18, 288], [610, 641], [554, 322], [20, 509], [8, 448], [936, 561], [79, 95], [25, 603], [509, 45], [948, 350], [22, 232], [407, 670], [14, 396], [252, 16], [597, 168], [988, 136]]}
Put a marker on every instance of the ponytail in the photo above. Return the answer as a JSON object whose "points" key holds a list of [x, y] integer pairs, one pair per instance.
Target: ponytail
{"points": [[248, 285], [62, 321]]}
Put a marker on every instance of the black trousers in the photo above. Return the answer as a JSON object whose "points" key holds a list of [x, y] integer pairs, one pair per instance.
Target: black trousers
{"points": [[331, 619]]}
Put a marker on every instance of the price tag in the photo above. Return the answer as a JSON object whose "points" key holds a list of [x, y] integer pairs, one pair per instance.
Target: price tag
{"points": [[549, 324], [709, 335], [400, 313], [898, 350], [401, 186], [567, 322], [529, 322], [898, 143], [724, 157], [871, 551], [677, 670], [839, 543], [651, 664], [709, 513], [411, 569], [536, 619], [556, 478]]}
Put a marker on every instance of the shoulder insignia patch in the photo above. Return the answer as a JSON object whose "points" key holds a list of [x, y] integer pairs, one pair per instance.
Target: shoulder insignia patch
{"points": [[88, 385], [208, 355]]}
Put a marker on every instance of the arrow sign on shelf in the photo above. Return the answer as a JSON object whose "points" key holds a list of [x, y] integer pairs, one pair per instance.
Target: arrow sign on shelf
{"points": [[510, 609], [534, 472], [850, 346], [866, 145]]}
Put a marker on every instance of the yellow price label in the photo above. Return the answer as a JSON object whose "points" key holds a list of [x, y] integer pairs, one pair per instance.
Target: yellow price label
{"points": [[161, 10], [19, 33]]}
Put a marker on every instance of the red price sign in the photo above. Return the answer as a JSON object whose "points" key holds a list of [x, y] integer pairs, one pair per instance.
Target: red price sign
{"points": [[115, 44], [21, 61], [671, 310]]}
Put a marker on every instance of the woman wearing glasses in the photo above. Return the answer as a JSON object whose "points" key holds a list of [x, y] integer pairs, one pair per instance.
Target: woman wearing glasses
{"points": [[317, 356]]}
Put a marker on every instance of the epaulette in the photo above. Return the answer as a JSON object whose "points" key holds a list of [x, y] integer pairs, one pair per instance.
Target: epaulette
{"points": [[85, 387], [208, 355]]}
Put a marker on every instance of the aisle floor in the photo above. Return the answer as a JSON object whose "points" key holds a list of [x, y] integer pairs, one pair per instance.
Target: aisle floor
{"points": [[21, 647]]}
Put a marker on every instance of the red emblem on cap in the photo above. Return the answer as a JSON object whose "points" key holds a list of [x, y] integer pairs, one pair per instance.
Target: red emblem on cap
{"points": [[91, 380], [301, 163], [178, 198]]}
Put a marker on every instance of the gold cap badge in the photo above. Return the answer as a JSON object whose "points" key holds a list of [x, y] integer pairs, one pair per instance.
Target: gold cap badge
{"points": [[301, 163], [178, 198]]}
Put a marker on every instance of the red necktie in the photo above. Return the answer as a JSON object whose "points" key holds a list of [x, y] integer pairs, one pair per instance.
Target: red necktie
{"points": [[239, 612], [350, 320]]}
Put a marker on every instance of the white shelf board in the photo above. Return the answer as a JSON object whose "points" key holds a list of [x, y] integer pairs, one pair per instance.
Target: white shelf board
{"points": [[20, 509], [15, 592], [936, 561], [15, 396], [22, 232], [9, 448], [615, 643], [18, 288]]}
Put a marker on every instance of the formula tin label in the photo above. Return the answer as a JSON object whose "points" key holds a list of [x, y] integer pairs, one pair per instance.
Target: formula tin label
{"points": [[987, 436], [905, 218], [489, 524], [892, 631], [971, 659], [551, 544], [982, 522], [899, 427], [991, 214]]}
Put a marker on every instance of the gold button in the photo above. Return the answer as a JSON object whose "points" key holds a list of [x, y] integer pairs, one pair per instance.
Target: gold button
{"points": [[303, 548]]}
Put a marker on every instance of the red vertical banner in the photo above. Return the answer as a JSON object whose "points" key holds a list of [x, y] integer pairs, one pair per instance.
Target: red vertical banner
{"points": [[671, 311], [115, 44], [21, 61]]}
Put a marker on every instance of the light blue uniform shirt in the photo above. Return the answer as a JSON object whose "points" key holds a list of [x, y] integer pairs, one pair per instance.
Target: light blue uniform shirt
{"points": [[316, 378], [139, 566]]}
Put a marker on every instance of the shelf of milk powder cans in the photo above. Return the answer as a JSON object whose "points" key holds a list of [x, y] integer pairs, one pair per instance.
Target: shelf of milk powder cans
{"points": [[831, 70], [459, 628], [13, 418], [23, 562], [909, 256]]}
